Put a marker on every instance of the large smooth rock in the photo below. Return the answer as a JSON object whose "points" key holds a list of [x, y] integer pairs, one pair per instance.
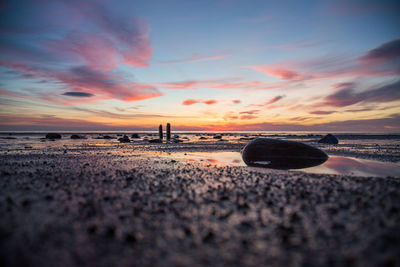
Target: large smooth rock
{"points": [[329, 139], [53, 136], [281, 154]]}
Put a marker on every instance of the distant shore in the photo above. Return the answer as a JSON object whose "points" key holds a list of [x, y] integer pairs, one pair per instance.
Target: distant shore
{"points": [[99, 202]]}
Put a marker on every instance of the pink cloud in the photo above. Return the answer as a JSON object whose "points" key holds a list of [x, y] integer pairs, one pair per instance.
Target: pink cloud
{"points": [[380, 61], [98, 52], [84, 79], [210, 102], [189, 102], [236, 101], [275, 99], [341, 85], [284, 74]]}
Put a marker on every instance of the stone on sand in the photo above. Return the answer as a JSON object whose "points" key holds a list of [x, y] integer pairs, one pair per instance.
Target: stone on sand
{"points": [[281, 154], [155, 141], [53, 136], [124, 139], [75, 136], [329, 139]]}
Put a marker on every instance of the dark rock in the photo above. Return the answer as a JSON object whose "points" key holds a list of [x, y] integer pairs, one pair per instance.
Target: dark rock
{"points": [[217, 137], [75, 136], [203, 138], [177, 140], [107, 137], [135, 136], [124, 139], [280, 154], [329, 139], [53, 136], [155, 141]]}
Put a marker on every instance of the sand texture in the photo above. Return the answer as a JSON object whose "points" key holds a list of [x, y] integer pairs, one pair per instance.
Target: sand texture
{"points": [[120, 205]]}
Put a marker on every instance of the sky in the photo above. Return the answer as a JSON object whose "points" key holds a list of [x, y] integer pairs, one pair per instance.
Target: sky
{"points": [[222, 65]]}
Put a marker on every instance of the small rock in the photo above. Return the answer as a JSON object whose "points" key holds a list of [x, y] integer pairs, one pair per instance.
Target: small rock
{"points": [[155, 141], [217, 137], [135, 136], [53, 136], [75, 136], [124, 139], [329, 139]]}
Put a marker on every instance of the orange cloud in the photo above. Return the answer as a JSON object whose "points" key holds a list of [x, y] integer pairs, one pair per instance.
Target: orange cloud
{"points": [[189, 102]]}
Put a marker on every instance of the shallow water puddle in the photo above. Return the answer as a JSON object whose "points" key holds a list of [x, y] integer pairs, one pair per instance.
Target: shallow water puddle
{"points": [[334, 165]]}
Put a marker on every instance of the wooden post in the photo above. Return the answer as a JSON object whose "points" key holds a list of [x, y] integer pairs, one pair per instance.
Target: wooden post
{"points": [[160, 132], [168, 131]]}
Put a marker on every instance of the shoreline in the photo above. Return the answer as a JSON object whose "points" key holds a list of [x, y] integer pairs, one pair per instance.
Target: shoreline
{"points": [[111, 205]]}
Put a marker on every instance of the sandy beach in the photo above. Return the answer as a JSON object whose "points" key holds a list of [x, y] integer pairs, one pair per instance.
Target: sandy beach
{"points": [[105, 203]]}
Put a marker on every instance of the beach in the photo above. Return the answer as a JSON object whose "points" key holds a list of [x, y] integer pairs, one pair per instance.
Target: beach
{"points": [[97, 202]]}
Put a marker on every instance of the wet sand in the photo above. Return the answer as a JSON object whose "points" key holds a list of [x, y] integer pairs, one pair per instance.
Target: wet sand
{"points": [[114, 204]]}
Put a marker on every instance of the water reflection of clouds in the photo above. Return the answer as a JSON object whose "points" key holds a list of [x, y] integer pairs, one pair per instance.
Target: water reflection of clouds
{"points": [[334, 165], [353, 166]]}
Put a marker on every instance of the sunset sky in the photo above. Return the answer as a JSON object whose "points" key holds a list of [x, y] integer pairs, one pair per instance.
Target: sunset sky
{"points": [[200, 65]]}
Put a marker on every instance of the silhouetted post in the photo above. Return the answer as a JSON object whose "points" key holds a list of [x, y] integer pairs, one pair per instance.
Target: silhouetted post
{"points": [[168, 131], [160, 133]]}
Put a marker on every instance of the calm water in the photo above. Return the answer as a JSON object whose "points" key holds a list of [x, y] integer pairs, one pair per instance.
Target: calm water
{"points": [[334, 165]]}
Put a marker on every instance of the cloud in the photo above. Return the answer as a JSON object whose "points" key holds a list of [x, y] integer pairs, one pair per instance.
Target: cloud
{"points": [[381, 61], [77, 48], [347, 95], [189, 102], [248, 117], [236, 101], [341, 85], [78, 94], [104, 85], [384, 52], [283, 74], [210, 102], [322, 112], [194, 58], [275, 99], [218, 84], [250, 112], [388, 124]]}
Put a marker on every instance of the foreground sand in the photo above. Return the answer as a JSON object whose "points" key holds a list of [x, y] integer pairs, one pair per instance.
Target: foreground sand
{"points": [[122, 206]]}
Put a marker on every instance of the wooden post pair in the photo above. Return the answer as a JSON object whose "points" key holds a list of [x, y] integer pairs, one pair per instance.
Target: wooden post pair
{"points": [[160, 132]]}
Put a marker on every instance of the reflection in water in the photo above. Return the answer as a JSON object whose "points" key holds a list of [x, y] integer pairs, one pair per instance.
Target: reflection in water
{"points": [[334, 165], [356, 167]]}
